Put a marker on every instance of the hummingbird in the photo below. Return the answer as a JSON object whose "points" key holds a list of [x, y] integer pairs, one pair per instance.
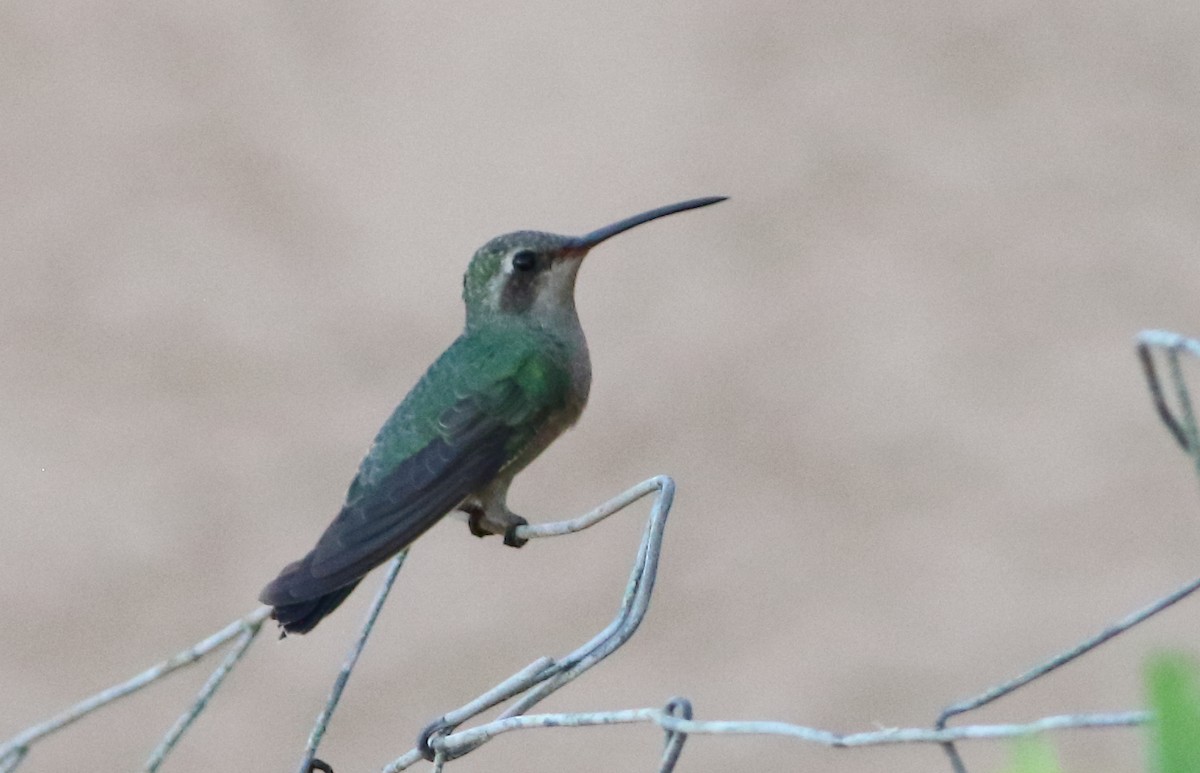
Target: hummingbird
{"points": [[512, 382]]}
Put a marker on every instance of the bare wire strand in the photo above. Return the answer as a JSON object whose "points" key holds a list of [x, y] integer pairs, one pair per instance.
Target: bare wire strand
{"points": [[544, 676], [184, 723], [14, 750], [442, 741], [343, 677], [467, 740]]}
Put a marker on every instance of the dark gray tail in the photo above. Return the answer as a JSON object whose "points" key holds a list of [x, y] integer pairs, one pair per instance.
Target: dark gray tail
{"points": [[303, 616], [300, 599]]}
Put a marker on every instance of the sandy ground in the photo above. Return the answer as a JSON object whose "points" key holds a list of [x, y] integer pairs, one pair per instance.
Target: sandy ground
{"points": [[893, 376]]}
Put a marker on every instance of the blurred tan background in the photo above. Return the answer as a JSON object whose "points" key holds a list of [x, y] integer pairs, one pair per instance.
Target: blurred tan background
{"points": [[893, 375]]}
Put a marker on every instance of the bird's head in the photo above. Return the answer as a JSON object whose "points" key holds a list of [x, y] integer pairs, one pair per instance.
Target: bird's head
{"points": [[532, 274]]}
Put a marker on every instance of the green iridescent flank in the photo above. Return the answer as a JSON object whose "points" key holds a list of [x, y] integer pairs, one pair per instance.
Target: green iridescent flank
{"points": [[505, 372]]}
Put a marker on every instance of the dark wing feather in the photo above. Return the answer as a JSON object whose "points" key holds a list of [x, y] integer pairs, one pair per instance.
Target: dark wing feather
{"points": [[464, 421], [382, 518]]}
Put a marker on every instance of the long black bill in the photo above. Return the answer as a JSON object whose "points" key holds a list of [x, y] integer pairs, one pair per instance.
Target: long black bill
{"points": [[587, 241]]}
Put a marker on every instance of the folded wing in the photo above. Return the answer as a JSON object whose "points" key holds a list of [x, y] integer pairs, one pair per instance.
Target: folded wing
{"points": [[451, 437]]}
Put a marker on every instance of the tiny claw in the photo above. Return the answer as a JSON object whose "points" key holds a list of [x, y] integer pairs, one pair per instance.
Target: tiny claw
{"points": [[510, 534], [475, 522], [274, 616]]}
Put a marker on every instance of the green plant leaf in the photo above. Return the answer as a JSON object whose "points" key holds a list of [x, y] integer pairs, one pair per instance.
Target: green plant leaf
{"points": [[1033, 755], [1173, 690]]}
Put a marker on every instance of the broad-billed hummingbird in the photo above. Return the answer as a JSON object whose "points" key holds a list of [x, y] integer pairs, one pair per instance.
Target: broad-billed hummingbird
{"points": [[505, 389]]}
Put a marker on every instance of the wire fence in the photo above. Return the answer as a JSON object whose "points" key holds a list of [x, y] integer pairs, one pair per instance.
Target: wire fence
{"points": [[442, 740]]}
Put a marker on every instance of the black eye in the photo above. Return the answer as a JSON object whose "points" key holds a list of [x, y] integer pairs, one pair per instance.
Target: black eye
{"points": [[524, 260]]}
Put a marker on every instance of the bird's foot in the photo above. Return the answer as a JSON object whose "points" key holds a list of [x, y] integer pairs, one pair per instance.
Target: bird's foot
{"points": [[510, 534], [475, 516], [483, 524]]}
